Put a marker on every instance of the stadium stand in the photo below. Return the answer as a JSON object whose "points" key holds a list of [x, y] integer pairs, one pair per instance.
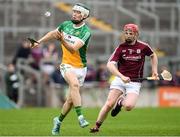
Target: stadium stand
{"points": [[92, 20], [108, 15]]}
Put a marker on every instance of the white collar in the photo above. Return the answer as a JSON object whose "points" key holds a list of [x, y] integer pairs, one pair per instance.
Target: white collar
{"points": [[79, 26]]}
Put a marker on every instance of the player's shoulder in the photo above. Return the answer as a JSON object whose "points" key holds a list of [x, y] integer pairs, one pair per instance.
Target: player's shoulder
{"points": [[120, 47], [144, 45], [139, 42], [86, 28], [64, 24]]}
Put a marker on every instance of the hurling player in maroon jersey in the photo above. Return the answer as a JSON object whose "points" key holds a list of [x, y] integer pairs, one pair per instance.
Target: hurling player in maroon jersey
{"points": [[126, 64]]}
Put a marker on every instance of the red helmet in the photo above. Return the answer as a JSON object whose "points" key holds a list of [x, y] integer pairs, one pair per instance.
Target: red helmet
{"points": [[132, 27]]}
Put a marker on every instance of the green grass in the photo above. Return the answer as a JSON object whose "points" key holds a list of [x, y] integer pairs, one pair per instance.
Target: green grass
{"points": [[139, 122]]}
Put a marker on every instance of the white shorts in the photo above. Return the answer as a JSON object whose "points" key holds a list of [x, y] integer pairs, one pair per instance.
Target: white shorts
{"points": [[80, 72], [131, 87]]}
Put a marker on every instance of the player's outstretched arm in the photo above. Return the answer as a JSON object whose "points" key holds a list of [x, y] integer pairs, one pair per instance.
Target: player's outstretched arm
{"points": [[55, 34]]}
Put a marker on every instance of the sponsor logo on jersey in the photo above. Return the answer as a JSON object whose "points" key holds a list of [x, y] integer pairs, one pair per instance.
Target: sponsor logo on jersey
{"points": [[131, 58]]}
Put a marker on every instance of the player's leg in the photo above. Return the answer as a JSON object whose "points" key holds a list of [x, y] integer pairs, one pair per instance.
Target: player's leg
{"points": [[66, 107], [74, 87], [112, 97], [111, 100], [75, 79], [118, 106], [58, 120], [69, 74], [132, 93], [129, 101]]}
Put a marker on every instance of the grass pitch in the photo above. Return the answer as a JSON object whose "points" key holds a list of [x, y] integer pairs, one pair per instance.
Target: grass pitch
{"points": [[138, 122]]}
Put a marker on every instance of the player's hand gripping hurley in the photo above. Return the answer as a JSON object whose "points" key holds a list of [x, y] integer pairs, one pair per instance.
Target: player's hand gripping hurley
{"points": [[165, 75], [33, 42]]}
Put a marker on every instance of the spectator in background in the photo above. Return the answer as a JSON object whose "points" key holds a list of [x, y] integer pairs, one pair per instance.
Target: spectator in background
{"points": [[12, 83], [23, 51], [91, 73], [102, 74], [57, 77], [50, 56], [177, 78], [37, 55]]}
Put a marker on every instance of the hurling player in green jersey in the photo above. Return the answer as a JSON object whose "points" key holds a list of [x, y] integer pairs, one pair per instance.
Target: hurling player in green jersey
{"points": [[74, 36]]}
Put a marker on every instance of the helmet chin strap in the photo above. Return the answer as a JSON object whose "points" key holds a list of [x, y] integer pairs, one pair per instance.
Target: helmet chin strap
{"points": [[77, 21]]}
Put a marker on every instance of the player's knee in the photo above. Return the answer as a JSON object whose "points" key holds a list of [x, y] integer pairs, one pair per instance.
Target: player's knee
{"points": [[75, 86], [128, 107], [69, 101]]}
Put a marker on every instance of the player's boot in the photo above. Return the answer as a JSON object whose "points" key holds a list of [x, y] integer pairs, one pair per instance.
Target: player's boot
{"points": [[82, 122], [56, 127], [117, 108], [94, 129]]}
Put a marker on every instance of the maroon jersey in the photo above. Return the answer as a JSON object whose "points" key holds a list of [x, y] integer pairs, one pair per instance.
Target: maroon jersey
{"points": [[130, 58]]}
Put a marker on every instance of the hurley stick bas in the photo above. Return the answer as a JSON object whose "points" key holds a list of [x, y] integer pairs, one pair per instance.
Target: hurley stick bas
{"points": [[165, 75]]}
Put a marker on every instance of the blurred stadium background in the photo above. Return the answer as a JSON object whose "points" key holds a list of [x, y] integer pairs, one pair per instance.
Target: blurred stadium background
{"points": [[36, 81]]}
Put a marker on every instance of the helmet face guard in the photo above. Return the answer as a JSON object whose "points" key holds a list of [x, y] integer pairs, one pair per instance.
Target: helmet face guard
{"points": [[83, 9]]}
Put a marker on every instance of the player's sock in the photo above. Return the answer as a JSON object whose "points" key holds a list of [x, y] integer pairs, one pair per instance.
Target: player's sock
{"points": [[61, 117], [78, 110], [82, 122], [98, 124], [96, 127]]}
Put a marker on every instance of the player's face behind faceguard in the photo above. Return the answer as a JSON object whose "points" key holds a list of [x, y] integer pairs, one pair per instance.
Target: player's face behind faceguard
{"points": [[131, 33], [79, 13]]}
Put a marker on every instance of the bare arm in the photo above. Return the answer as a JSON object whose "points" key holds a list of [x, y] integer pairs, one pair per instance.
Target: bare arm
{"points": [[72, 48], [113, 69], [55, 34], [154, 64]]}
